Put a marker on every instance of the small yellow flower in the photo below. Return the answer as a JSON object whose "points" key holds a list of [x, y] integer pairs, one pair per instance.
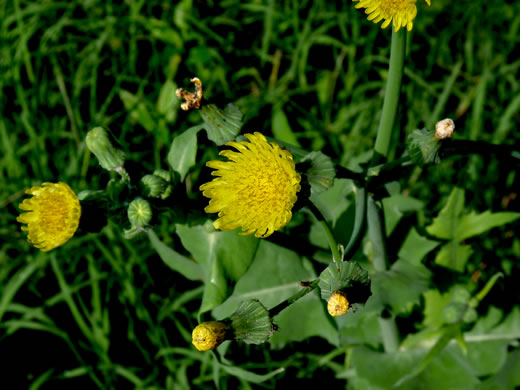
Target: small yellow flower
{"points": [[402, 12], [256, 190], [338, 304], [209, 335], [52, 215]]}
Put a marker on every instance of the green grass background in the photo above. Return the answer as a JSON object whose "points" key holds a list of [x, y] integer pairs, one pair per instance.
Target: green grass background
{"points": [[106, 312]]}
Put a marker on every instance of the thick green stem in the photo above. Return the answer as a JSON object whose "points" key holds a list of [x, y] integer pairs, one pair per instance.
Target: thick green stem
{"points": [[393, 85], [381, 148], [328, 231], [310, 286]]}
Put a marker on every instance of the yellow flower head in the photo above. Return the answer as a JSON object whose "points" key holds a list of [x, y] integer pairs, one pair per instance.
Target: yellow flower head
{"points": [[402, 12], [209, 335], [256, 190], [52, 215]]}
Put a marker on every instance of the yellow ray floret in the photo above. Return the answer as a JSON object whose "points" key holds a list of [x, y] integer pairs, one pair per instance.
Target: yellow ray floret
{"points": [[402, 12], [52, 215], [255, 190]]}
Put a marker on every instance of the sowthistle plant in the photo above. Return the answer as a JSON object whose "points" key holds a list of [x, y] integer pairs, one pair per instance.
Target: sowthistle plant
{"points": [[258, 189]]}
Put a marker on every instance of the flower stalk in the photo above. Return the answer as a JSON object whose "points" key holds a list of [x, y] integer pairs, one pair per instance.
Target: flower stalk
{"points": [[391, 100], [328, 231]]}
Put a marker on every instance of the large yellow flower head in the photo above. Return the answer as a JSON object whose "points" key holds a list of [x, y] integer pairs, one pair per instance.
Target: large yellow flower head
{"points": [[402, 12], [255, 190], [52, 215]]}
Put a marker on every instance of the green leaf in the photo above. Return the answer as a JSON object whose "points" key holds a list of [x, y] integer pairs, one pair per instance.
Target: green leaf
{"points": [[360, 327], [223, 256], [302, 320], [454, 256], [488, 342], [508, 377], [415, 247], [401, 286], [332, 203], [16, 281], [183, 151], [445, 225], [274, 276], [446, 371], [177, 262], [434, 303], [248, 375], [221, 125], [396, 206], [474, 224], [168, 101], [138, 110], [452, 225], [282, 129]]}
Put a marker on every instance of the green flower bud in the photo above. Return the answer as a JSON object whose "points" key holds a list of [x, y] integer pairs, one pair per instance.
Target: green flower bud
{"points": [[460, 294], [453, 312], [470, 315], [139, 213], [251, 322], [98, 142], [163, 174], [153, 186]]}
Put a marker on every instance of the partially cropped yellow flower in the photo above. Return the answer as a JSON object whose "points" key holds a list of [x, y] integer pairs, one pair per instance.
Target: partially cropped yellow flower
{"points": [[52, 215], [255, 190], [402, 12], [209, 335]]}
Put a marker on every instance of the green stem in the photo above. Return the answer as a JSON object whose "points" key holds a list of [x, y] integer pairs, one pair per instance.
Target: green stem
{"points": [[328, 231], [393, 85], [381, 149], [289, 301], [376, 233]]}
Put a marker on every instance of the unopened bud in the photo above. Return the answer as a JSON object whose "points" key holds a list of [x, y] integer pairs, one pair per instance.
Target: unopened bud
{"points": [[98, 142], [193, 99], [139, 213], [444, 128], [338, 304], [209, 335], [163, 174], [153, 186]]}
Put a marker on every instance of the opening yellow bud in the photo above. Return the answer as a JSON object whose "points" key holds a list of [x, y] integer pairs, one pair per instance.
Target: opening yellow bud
{"points": [[208, 335], [338, 304]]}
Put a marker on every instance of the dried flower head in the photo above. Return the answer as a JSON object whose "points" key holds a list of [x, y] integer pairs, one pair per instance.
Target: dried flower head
{"points": [[255, 190], [193, 99], [338, 304], [52, 215], [401, 12], [444, 128]]}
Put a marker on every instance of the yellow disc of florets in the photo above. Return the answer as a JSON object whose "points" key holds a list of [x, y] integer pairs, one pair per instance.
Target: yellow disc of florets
{"points": [[338, 304], [208, 335], [52, 215], [255, 190], [402, 12]]}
